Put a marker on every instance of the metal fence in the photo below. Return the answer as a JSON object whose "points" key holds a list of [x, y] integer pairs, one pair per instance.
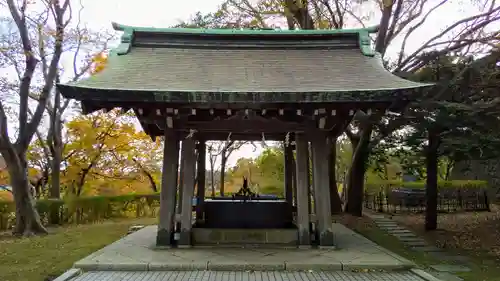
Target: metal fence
{"points": [[414, 200]]}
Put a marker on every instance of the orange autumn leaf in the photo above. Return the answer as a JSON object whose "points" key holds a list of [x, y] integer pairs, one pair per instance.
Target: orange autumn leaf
{"points": [[98, 63]]}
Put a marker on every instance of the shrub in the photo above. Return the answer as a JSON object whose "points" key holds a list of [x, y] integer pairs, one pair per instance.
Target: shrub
{"points": [[74, 209]]}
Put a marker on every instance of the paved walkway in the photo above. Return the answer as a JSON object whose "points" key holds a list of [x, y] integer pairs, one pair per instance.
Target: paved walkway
{"points": [[244, 276], [451, 263]]}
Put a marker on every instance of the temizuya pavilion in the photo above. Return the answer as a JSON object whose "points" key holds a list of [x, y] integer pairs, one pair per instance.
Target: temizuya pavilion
{"points": [[194, 85]]}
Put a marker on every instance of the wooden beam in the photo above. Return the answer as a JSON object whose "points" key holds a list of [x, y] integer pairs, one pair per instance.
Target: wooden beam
{"points": [[236, 126]]}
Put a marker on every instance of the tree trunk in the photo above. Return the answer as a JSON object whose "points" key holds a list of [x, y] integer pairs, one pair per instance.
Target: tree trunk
{"points": [[55, 188], [356, 174], [222, 172], [56, 148], [335, 202], [27, 219], [431, 189]]}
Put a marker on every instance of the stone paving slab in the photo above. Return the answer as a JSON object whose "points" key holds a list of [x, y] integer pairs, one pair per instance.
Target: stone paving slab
{"points": [[247, 276], [137, 252]]}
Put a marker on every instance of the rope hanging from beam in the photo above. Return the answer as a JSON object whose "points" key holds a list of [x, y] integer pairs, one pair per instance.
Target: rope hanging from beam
{"points": [[191, 133], [287, 139]]}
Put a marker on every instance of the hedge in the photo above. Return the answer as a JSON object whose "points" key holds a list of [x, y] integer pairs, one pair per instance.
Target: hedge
{"points": [[455, 184], [87, 209]]}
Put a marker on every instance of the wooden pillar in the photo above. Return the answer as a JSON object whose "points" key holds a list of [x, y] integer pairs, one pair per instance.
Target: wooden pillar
{"points": [[180, 182], [164, 236], [302, 172], [294, 181], [201, 173], [189, 165], [322, 189], [288, 174], [312, 192]]}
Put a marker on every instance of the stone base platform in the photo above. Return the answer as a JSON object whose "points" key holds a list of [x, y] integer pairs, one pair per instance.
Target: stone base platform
{"points": [[137, 252], [257, 237]]}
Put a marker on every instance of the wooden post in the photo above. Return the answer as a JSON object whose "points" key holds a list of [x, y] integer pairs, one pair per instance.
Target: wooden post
{"points": [[294, 181], [288, 174], [164, 236], [189, 164], [201, 172], [302, 195], [312, 179], [179, 186], [322, 189]]}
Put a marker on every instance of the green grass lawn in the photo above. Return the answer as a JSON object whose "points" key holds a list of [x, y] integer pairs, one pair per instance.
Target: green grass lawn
{"points": [[37, 258], [483, 267]]}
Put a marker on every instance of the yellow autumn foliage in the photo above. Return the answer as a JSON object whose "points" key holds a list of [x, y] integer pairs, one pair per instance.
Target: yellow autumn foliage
{"points": [[107, 155]]}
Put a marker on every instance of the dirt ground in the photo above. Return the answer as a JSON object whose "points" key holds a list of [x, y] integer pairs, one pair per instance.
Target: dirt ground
{"points": [[474, 232]]}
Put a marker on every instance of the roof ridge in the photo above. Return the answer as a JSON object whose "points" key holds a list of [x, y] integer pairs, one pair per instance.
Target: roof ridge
{"points": [[128, 34], [228, 31]]}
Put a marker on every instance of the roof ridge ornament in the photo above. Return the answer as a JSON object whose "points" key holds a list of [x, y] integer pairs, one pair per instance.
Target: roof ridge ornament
{"points": [[365, 43], [125, 40]]}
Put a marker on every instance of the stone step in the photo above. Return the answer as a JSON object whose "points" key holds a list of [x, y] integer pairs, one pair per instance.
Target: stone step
{"points": [[427, 249], [415, 243], [409, 239], [450, 268], [391, 227], [384, 220], [405, 234], [450, 258], [445, 276], [396, 231], [386, 224]]}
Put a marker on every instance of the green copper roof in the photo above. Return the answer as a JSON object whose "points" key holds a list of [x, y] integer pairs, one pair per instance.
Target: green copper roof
{"points": [[237, 70], [183, 65]]}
